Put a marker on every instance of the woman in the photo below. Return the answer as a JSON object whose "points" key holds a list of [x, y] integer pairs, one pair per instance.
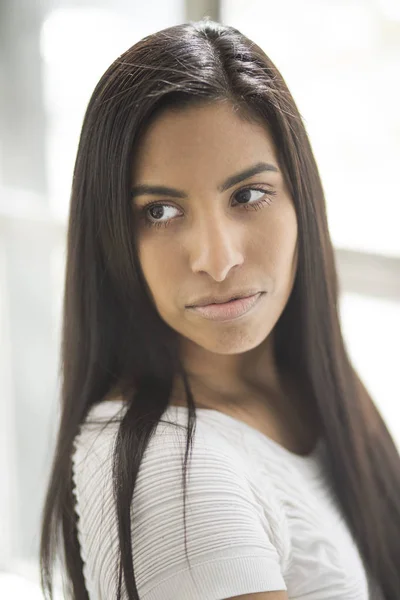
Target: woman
{"points": [[195, 185]]}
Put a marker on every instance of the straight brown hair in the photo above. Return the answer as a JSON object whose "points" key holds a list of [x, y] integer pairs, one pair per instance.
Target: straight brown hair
{"points": [[113, 336]]}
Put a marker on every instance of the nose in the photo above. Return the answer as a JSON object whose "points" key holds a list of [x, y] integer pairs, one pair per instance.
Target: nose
{"points": [[215, 248]]}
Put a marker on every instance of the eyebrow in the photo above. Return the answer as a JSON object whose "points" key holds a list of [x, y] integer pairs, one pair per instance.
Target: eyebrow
{"points": [[260, 167]]}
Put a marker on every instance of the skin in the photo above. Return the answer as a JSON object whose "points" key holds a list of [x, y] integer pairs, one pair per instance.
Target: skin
{"points": [[212, 244]]}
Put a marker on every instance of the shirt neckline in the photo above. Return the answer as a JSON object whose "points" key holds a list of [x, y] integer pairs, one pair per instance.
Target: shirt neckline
{"points": [[301, 458], [304, 459]]}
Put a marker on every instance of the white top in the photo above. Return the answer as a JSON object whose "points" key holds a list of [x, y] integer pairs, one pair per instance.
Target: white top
{"points": [[258, 517]]}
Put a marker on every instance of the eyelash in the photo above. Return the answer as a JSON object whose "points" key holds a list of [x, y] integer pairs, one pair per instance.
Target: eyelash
{"points": [[266, 199]]}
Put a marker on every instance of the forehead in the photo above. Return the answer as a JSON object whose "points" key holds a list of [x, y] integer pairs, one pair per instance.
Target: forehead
{"points": [[199, 140]]}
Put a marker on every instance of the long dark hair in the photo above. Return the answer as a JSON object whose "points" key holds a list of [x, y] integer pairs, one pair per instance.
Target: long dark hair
{"points": [[113, 335]]}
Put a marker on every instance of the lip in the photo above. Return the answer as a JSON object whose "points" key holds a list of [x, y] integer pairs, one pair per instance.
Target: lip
{"points": [[214, 299], [228, 310]]}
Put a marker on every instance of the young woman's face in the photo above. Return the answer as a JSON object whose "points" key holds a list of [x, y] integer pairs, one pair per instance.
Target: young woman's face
{"points": [[203, 237]]}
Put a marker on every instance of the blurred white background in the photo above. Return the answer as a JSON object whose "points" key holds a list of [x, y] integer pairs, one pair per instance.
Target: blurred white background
{"points": [[341, 61]]}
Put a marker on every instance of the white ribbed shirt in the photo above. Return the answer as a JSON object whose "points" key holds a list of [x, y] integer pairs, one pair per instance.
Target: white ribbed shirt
{"points": [[258, 517]]}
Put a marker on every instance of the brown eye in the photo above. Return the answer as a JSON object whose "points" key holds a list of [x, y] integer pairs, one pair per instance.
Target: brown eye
{"points": [[156, 212], [244, 195]]}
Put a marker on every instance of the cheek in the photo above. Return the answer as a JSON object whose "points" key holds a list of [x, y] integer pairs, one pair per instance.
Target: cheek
{"points": [[277, 243], [159, 269]]}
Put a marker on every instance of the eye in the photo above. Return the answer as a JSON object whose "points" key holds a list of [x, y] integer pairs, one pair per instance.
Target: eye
{"points": [[152, 212], [243, 197], [157, 211]]}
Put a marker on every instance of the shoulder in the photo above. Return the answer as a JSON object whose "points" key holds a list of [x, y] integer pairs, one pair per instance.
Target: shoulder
{"points": [[213, 459], [211, 454], [96, 437]]}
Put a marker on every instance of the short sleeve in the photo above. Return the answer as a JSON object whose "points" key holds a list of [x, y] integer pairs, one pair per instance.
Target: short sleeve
{"points": [[230, 541]]}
